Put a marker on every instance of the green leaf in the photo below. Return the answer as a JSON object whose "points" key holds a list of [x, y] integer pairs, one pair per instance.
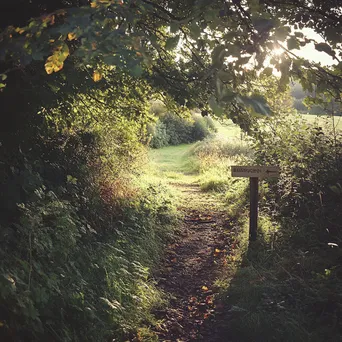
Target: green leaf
{"points": [[217, 110], [323, 47], [227, 95], [224, 76], [195, 30], [299, 34], [172, 42], [3, 77], [268, 71], [217, 55], [136, 71], [243, 60], [281, 33], [174, 27], [336, 188], [293, 43], [257, 103], [2, 85], [110, 60], [263, 24]]}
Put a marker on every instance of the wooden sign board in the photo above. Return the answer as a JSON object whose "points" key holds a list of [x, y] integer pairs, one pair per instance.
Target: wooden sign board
{"points": [[255, 171]]}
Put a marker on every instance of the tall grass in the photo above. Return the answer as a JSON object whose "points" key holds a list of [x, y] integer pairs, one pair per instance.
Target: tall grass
{"points": [[285, 286], [215, 157]]}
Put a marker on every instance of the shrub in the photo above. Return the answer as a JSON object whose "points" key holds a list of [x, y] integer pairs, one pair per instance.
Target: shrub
{"points": [[200, 128], [160, 135], [75, 253], [179, 129], [171, 129], [291, 276]]}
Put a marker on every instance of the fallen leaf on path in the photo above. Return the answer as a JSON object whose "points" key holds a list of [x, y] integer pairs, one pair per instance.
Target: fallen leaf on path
{"points": [[217, 252], [192, 300], [209, 299]]}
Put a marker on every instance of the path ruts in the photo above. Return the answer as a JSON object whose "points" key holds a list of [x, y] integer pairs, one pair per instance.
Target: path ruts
{"points": [[192, 265]]}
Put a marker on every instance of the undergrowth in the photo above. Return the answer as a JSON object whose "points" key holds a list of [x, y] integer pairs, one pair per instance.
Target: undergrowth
{"points": [[79, 236], [214, 157], [285, 286]]}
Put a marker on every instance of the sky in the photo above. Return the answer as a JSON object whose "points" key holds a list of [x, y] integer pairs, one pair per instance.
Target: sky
{"points": [[309, 52]]}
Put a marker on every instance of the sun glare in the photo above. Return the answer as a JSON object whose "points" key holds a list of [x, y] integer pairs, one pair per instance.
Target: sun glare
{"points": [[277, 51]]}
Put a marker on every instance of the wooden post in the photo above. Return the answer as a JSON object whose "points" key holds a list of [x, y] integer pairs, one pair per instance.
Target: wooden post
{"points": [[253, 213], [254, 173]]}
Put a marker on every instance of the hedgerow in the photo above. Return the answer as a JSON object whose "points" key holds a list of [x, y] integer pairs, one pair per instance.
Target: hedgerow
{"points": [[172, 129], [75, 251]]}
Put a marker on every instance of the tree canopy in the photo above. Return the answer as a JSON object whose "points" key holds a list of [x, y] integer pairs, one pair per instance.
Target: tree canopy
{"points": [[197, 52]]}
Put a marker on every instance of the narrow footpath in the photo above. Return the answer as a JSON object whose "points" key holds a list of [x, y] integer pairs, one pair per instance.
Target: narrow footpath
{"points": [[193, 263]]}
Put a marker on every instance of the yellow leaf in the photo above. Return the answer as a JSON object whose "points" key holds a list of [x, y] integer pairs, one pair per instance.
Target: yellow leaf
{"points": [[71, 35], [64, 52], [204, 288], [93, 4], [58, 66], [49, 68], [97, 76], [19, 30]]}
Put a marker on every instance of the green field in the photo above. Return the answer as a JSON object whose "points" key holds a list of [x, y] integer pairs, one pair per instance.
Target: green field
{"points": [[228, 130], [323, 120], [177, 161]]}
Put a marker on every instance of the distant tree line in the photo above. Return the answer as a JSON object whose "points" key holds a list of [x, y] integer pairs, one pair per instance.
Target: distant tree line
{"points": [[299, 96]]}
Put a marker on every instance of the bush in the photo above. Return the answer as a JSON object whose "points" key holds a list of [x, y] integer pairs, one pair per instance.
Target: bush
{"points": [[310, 158], [77, 240], [291, 275], [171, 129], [179, 129], [160, 135], [200, 128]]}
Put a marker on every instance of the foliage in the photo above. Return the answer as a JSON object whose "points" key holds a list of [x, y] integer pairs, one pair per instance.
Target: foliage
{"points": [[310, 160], [77, 237], [171, 129], [75, 258], [305, 102], [178, 129], [214, 41], [290, 277], [160, 137], [215, 156]]}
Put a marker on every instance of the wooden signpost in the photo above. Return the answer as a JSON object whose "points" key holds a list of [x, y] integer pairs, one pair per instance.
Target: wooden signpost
{"points": [[254, 173]]}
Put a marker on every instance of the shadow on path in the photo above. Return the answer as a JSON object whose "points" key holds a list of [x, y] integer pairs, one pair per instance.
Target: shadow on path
{"points": [[192, 265]]}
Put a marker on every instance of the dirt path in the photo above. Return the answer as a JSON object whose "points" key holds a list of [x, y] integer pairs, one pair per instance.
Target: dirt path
{"points": [[192, 265]]}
